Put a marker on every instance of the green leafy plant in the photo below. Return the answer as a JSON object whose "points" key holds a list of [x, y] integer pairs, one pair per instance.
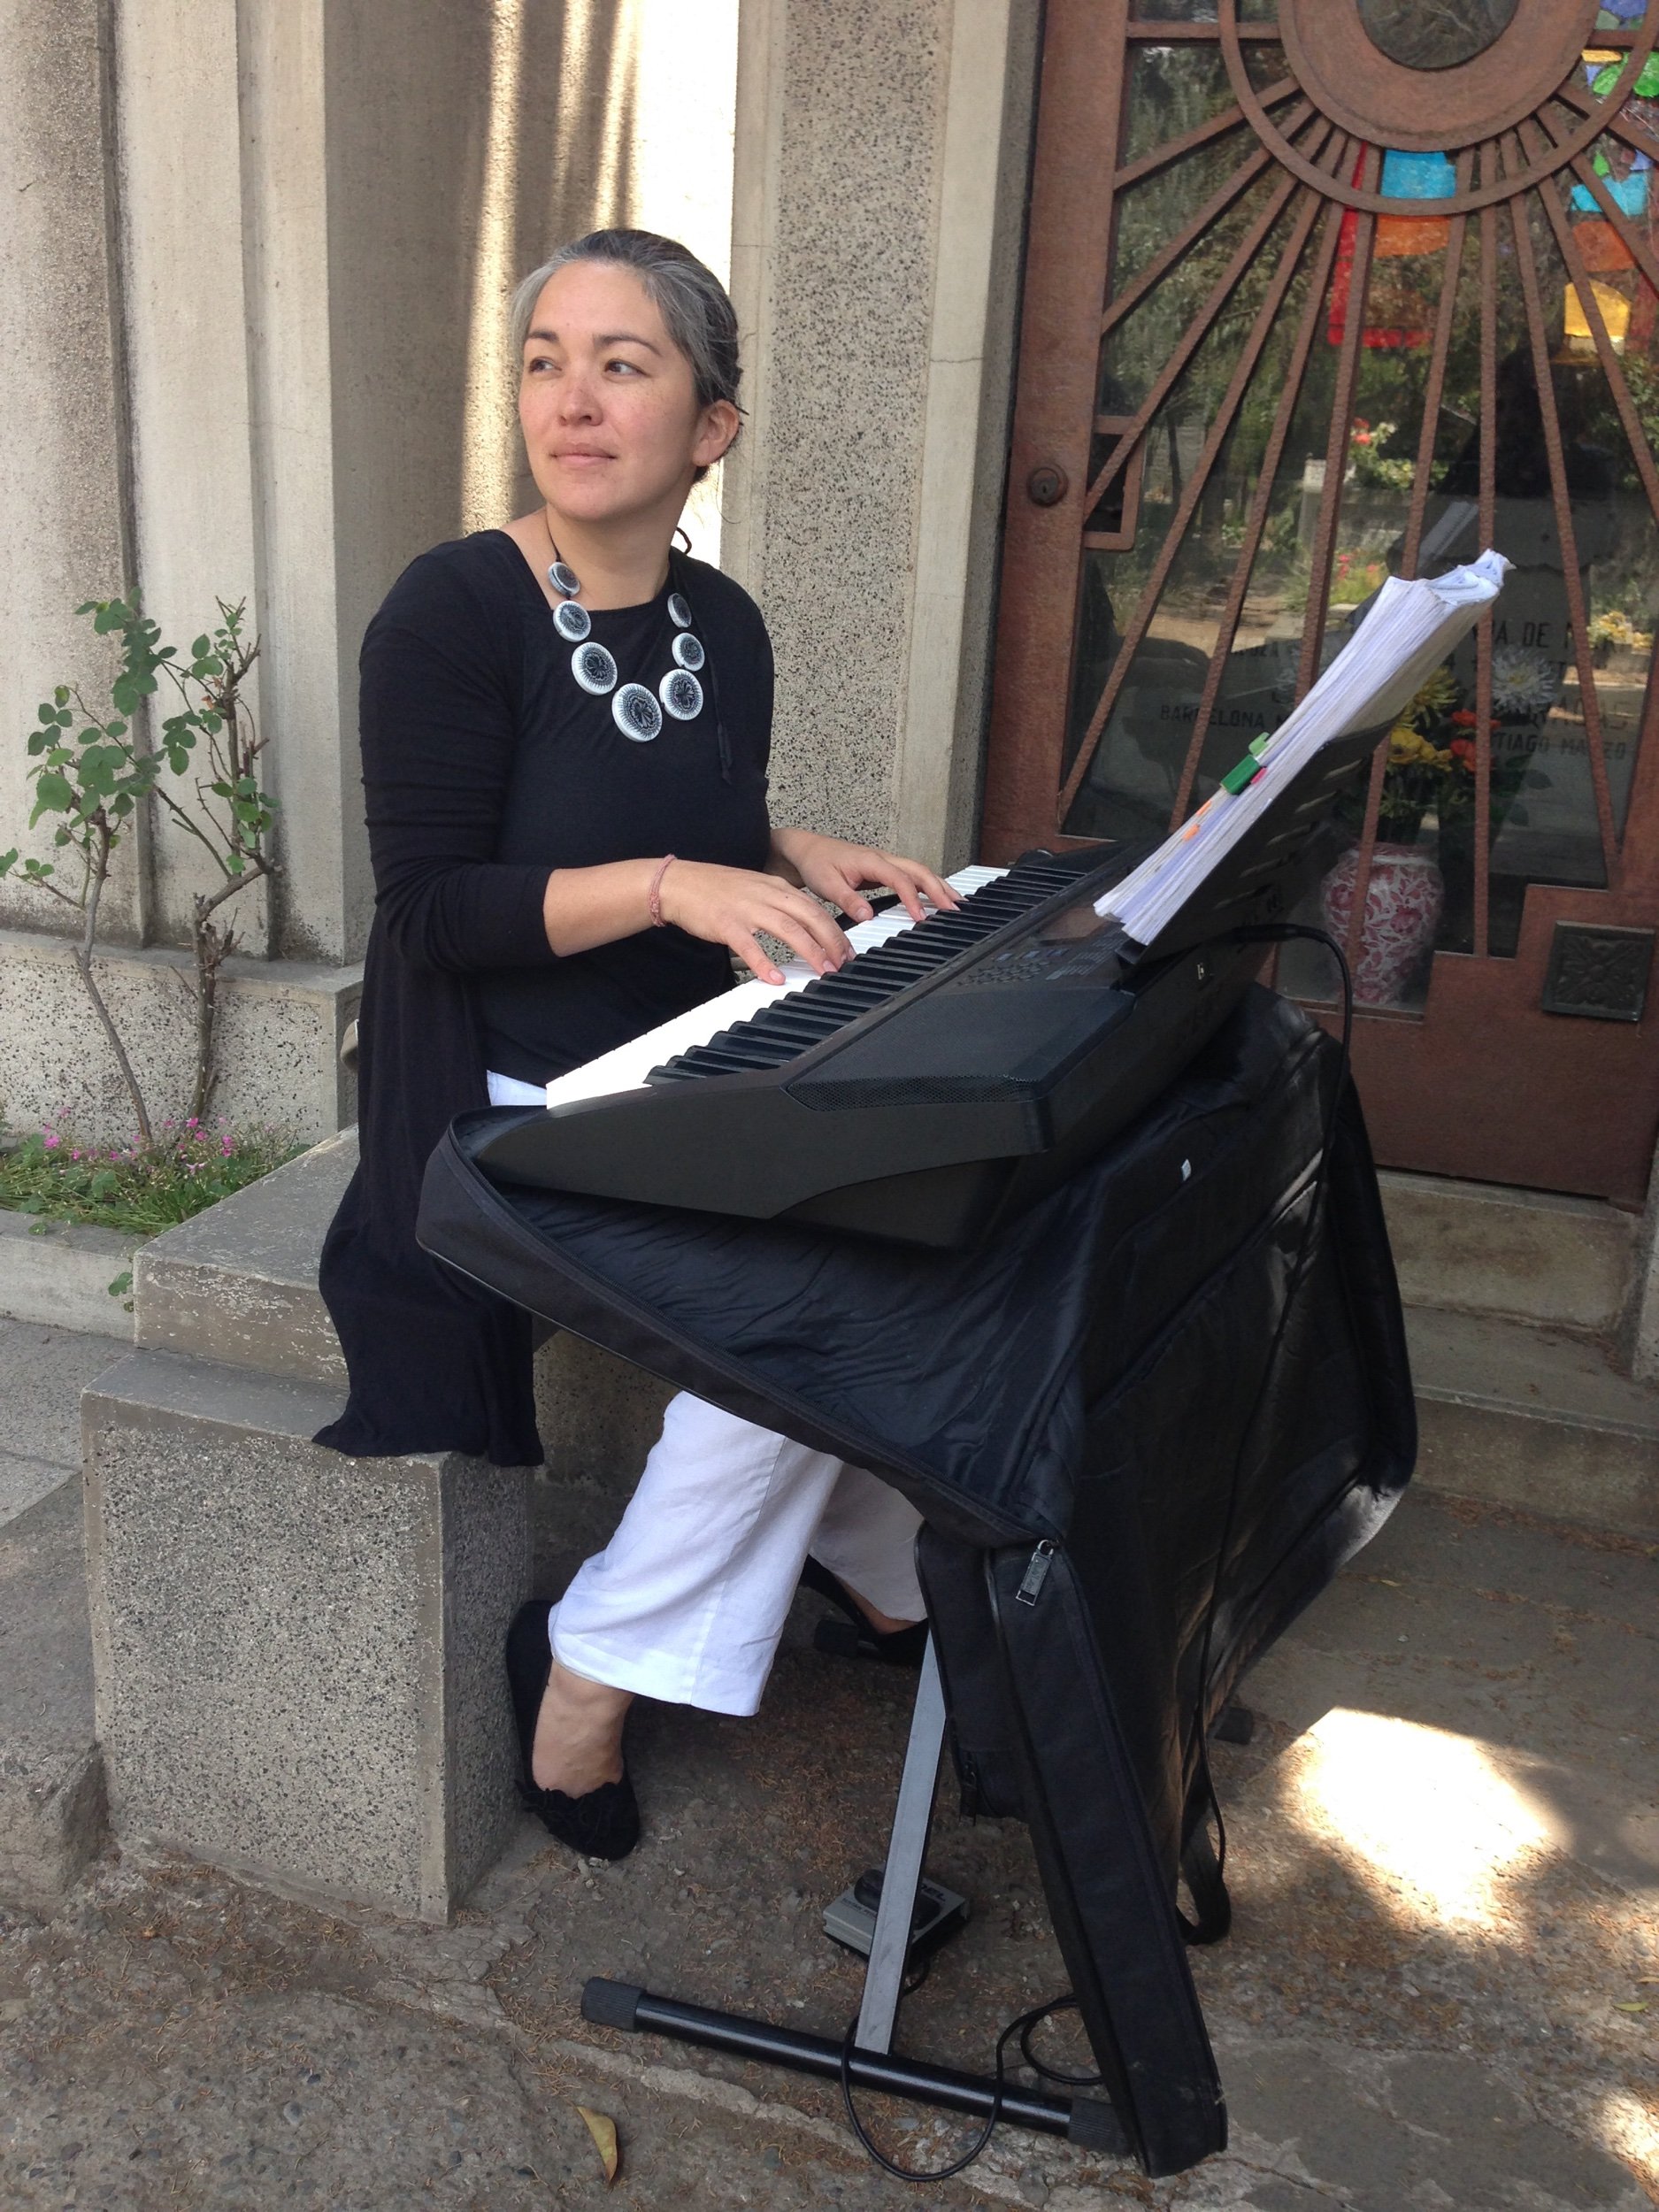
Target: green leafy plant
{"points": [[92, 772], [142, 1189]]}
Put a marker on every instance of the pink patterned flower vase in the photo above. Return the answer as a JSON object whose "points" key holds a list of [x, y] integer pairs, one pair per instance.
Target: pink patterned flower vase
{"points": [[1404, 901]]}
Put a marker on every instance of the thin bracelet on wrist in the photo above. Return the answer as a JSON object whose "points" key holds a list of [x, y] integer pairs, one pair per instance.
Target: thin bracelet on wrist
{"points": [[654, 904]]}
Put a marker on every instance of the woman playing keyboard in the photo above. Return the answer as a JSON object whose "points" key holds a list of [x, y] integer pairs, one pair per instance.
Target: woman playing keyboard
{"points": [[566, 726]]}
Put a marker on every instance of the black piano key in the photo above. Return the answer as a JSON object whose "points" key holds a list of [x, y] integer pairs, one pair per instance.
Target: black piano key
{"points": [[1002, 910], [900, 957], [1007, 893], [715, 1060], [954, 930], [753, 1052], [994, 900], [846, 985], [908, 971], [804, 1023]]}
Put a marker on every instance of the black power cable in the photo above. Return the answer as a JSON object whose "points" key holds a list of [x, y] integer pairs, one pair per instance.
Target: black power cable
{"points": [[1020, 2026], [1278, 932], [1055, 2074]]}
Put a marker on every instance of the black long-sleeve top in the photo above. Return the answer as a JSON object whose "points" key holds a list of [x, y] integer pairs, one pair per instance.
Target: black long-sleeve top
{"points": [[485, 767]]}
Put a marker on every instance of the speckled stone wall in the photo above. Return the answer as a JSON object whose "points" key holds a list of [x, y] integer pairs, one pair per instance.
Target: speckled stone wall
{"points": [[277, 1046], [858, 114]]}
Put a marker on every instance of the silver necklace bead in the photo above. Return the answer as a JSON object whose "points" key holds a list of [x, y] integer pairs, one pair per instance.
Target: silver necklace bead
{"points": [[636, 713], [594, 670], [681, 693]]}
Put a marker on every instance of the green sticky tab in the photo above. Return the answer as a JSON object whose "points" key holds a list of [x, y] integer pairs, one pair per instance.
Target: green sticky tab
{"points": [[1247, 770], [1259, 745]]}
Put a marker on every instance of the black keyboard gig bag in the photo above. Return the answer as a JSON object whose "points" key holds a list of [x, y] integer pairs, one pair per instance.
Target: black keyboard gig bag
{"points": [[1130, 1442]]}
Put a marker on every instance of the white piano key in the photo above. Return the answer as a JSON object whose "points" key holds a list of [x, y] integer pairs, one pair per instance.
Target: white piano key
{"points": [[626, 1068]]}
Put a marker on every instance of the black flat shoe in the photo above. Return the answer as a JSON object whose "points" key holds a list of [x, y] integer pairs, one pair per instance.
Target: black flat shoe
{"points": [[603, 1824], [855, 1638]]}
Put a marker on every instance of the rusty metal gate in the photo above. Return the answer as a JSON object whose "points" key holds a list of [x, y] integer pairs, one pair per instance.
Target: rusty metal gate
{"points": [[1319, 290]]}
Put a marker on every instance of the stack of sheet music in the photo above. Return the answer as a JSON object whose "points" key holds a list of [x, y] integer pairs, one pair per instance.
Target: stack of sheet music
{"points": [[1409, 630]]}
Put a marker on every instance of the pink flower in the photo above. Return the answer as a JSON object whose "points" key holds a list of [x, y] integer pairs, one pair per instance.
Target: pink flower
{"points": [[50, 1139]]}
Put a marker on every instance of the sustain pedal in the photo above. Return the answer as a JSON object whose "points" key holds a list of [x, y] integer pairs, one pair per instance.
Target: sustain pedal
{"points": [[940, 1913]]}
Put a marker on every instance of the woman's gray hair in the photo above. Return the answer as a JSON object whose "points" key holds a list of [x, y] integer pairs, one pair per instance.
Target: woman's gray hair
{"points": [[690, 299]]}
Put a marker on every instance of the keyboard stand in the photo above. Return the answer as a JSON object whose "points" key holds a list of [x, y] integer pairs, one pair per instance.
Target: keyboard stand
{"points": [[871, 2063]]}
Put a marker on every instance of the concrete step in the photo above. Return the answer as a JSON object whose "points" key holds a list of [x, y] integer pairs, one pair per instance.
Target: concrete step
{"points": [[238, 1284], [1518, 1255], [52, 1814], [59, 1273], [43, 1373], [1533, 1417]]}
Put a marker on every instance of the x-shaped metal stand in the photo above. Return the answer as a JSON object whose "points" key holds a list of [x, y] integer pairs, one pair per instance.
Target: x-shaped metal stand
{"points": [[870, 2062]]}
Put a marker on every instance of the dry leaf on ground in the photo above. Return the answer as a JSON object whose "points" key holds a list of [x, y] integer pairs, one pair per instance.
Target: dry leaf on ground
{"points": [[603, 2130]]}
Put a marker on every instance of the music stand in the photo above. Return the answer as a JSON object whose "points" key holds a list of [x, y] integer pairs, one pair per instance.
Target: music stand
{"points": [[1279, 859]]}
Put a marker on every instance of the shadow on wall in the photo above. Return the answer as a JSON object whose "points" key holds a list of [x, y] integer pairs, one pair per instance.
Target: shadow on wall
{"points": [[559, 159], [465, 143]]}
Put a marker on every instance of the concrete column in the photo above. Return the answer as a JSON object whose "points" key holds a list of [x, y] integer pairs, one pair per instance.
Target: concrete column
{"points": [[61, 475], [880, 169], [179, 147], [321, 903], [990, 114], [838, 187]]}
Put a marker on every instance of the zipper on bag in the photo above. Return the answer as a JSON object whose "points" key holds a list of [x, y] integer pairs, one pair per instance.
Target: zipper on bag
{"points": [[1036, 1573]]}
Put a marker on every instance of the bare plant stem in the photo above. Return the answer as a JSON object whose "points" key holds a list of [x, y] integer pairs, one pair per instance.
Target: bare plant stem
{"points": [[98, 870], [210, 952], [212, 948]]}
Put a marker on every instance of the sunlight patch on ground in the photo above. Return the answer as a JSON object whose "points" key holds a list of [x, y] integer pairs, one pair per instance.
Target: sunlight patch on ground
{"points": [[1630, 2128], [1427, 1811]]}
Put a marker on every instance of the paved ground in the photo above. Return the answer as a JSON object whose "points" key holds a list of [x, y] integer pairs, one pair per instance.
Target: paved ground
{"points": [[1441, 1989]]}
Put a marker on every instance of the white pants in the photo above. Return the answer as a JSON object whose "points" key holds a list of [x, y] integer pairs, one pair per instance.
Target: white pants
{"points": [[688, 1600]]}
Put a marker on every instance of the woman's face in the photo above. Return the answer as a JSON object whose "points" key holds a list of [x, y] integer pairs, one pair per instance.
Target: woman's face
{"points": [[608, 403]]}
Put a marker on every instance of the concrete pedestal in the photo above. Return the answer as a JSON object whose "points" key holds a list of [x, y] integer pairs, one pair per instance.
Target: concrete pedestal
{"points": [[298, 1656]]}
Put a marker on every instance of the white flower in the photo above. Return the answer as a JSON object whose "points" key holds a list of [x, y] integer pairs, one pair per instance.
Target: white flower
{"points": [[1524, 681]]}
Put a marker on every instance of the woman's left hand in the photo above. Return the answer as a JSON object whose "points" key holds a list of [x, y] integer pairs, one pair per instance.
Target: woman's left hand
{"points": [[841, 874]]}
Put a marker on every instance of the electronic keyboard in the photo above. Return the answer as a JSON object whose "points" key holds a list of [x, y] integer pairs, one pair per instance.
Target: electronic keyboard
{"points": [[953, 1070]]}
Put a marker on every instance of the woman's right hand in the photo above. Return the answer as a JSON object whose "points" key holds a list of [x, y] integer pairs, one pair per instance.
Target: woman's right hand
{"points": [[730, 906]]}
